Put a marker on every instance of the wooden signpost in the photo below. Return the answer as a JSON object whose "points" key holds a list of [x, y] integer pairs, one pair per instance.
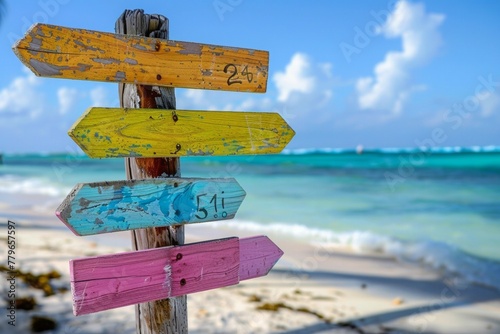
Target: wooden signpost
{"points": [[101, 207], [59, 52], [119, 132], [105, 282], [165, 315], [151, 134]]}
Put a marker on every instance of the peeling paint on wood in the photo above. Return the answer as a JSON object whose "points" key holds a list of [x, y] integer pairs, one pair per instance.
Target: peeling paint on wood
{"points": [[110, 281], [59, 52], [120, 132], [102, 207]]}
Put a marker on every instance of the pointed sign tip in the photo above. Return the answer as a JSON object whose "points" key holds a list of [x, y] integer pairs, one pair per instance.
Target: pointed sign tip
{"points": [[275, 252], [60, 215], [258, 256]]}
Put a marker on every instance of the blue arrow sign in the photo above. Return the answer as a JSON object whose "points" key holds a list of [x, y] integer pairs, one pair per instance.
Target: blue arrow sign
{"points": [[102, 207]]}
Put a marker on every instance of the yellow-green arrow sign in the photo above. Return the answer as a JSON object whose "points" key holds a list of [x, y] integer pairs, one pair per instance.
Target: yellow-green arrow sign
{"points": [[120, 132], [59, 52]]}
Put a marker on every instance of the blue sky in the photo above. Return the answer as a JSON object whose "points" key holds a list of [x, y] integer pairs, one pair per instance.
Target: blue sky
{"points": [[342, 73]]}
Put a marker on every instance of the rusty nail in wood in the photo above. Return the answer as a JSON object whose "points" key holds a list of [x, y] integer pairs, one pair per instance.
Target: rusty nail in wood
{"points": [[183, 282], [158, 77], [179, 257]]}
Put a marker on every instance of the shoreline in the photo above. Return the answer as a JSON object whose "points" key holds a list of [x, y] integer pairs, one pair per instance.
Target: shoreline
{"points": [[311, 289]]}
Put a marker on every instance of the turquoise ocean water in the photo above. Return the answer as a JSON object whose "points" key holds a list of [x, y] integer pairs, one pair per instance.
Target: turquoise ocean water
{"points": [[440, 207]]}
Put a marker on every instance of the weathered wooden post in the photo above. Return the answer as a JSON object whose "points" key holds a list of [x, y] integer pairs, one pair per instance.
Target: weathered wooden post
{"points": [[166, 315]]}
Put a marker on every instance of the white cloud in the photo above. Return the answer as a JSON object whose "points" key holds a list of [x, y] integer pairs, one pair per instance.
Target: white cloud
{"points": [[21, 97], [391, 86], [304, 88], [326, 69], [67, 98], [296, 78], [490, 103], [98, 97], [215, 100], [200, 99], [196, 96], [251, 104]]}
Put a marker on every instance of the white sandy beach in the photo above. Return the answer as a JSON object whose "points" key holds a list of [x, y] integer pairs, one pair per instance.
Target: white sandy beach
{"points": [[310, 290]]}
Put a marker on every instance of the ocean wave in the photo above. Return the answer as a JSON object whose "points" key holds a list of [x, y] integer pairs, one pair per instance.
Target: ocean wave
{"points": [[432, 254], [12, 184], [300, 151], [309, 151], [395, 150]]}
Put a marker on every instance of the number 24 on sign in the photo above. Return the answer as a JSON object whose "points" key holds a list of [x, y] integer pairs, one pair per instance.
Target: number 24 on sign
{"points": [[233, 70]]}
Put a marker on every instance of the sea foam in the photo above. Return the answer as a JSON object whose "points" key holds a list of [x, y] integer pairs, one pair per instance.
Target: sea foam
{"points": [[11, 184], [395, 150], [431, 254]]}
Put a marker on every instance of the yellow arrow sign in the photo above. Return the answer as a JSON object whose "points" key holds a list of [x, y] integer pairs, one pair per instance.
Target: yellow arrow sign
{"points": [[59, 52], [118, 132]]}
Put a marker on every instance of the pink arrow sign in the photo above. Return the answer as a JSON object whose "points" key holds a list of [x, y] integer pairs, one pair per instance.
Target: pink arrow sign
{"points": [[105, 282]]}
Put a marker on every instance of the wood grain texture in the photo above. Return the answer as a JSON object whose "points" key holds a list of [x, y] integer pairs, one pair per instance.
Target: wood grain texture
{"points": [[103, 207], [60, 52], [120, 132], [166, 316], [105, 282]]}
